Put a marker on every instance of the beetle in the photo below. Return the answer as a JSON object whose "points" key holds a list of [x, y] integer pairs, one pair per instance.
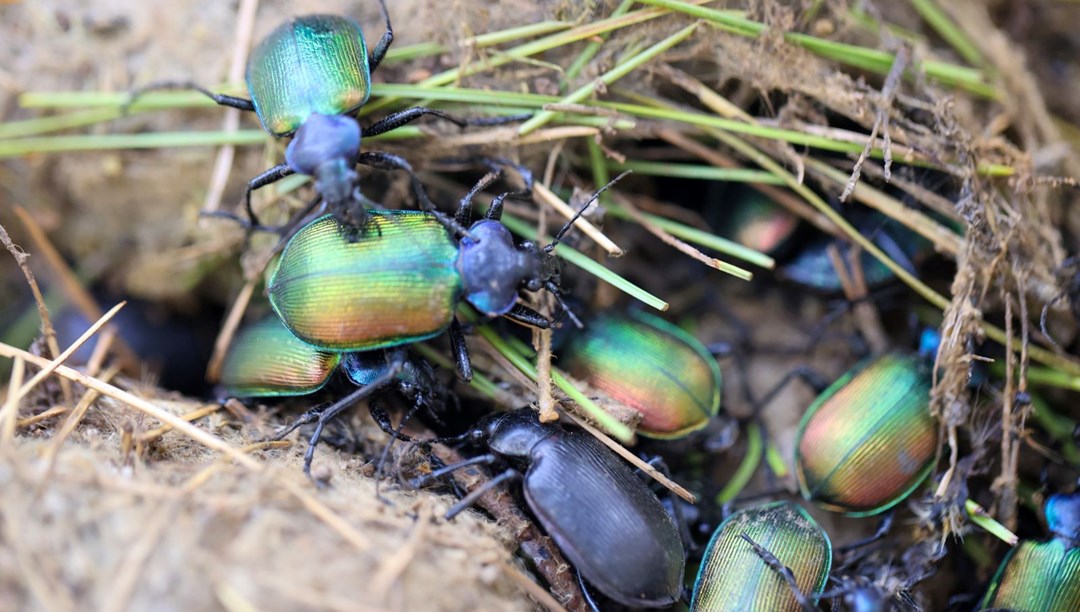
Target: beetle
{"points": [[603, 517], [812, 266], [869, 440], [756, 221], [266, 360], [649, 365], [743, 563], [1043, 576], [306, 79], [402, 278]]}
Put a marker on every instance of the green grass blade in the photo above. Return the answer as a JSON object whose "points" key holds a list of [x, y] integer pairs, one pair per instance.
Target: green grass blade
{"points": [[589, 265], [622, 69], [747, 468], [698, 171], [699, 237], [609, 423], [944, 26], [55, 144], [873, 60]]}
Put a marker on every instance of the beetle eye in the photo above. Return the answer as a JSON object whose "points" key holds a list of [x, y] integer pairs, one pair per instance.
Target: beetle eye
{"points": [[534, 284]]}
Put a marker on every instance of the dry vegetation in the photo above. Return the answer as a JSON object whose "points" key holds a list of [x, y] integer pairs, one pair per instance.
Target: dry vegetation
{"points": [[104, 508]]}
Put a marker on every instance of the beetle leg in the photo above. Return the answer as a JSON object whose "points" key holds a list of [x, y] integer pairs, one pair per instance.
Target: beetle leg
{"points": [[339, 406], [309, 416], [400, 118], [883, 528], [382, 419], [248, 226], [420, 481], [389, 161], [553, 289], [395, 435], [272, 175], [496, 165], [527, 316], [1042, 321], [586, 594], [463, 216], [231, 101], [460, 350], [805, 373], [479, 492], [384, 43]]}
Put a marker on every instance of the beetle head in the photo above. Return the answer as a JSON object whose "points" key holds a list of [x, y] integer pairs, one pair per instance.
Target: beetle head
{"points": [[493, 269], [515, 433]]}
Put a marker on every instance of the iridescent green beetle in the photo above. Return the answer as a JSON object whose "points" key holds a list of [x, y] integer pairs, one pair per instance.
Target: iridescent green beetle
{"points": [[869, 440], [1042, 576], [399, 277], [756, 221], [651, 366], [733, 576], [306, 78], [266, 360]]}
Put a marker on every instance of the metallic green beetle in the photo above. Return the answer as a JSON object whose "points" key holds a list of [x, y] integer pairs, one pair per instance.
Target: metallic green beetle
{"points": [[398, 278], [869, 440], [306, 78], [733, 576], [756, 221], [651, 366], [266, 360], [1042, 576]]}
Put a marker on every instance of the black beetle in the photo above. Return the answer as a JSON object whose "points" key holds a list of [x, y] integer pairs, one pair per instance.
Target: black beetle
{"points": [[603, 517]]}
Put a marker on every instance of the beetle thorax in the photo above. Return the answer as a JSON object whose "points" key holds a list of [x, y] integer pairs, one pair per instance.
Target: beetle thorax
{"points": [[515, 434], [324, 139], [493, 269]]}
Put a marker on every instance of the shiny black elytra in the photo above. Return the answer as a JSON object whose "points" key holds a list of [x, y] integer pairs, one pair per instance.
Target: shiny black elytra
{"points": [[603, 517]]}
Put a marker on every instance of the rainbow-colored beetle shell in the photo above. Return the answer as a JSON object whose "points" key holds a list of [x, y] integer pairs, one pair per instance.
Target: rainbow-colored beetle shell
{"points": [[649, 365], [310, 64], [1042, 576], [869, 440], [266, 360], [757, 222], [733, 577], [395, 285]]}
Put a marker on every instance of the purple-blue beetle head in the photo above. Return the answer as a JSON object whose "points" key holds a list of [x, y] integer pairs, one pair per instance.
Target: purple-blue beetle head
{"points": [[326, 147], [493, 269], [1063, 516]]}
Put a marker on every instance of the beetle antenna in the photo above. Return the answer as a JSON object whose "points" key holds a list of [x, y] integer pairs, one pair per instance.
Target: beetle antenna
{"points": [[558, 236], [553, 289], [420, 481], [784, 572], [1042, 321]]}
